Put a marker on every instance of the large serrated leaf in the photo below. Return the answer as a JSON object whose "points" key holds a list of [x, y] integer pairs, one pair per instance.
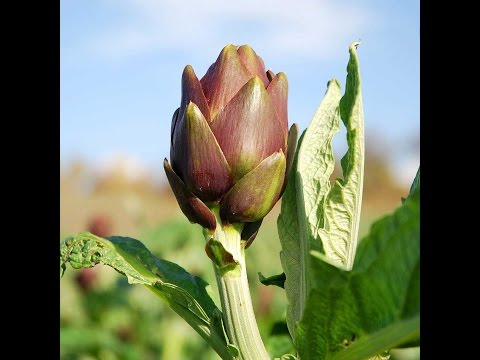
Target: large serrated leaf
{"points": [[341, 213], [315, 216], [315, 165], [184, 293], [360, 313]]}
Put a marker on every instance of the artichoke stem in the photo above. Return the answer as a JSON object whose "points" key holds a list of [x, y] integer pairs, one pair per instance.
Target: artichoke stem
{"points": [[239, 318]]}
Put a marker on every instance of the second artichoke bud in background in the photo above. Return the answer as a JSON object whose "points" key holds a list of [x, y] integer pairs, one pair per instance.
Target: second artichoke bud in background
{"points": [[230, 144]]}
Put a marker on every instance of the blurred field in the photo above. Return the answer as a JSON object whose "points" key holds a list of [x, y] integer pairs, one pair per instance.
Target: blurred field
{"points": [[102, 317]]}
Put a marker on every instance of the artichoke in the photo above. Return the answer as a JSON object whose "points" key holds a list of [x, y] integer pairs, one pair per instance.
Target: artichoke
{"points": [[230, 144]]}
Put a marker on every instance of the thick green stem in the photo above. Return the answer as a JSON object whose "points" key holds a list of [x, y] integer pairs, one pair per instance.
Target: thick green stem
{"points": [[241, 325]]}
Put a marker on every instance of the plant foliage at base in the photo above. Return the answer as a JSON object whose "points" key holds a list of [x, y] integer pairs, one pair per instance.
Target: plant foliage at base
{"points": [[376, 306], [184, 293]]}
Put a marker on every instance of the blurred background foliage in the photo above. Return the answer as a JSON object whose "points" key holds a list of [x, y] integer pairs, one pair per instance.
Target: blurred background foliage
{"points": [[103, 317]]}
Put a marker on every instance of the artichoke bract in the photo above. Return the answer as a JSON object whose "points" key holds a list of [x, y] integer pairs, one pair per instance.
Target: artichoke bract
{"points": [[230, 143]]}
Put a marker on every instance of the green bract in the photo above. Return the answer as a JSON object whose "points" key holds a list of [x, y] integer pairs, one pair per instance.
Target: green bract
{"points": [[230, 144]]}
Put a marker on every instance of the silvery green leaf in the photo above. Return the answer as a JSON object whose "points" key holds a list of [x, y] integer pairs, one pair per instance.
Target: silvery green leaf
{"points": [[341, 212], [374, 307], [315, 216]]}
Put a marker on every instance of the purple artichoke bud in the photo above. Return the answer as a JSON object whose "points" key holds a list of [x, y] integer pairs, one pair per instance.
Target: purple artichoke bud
{"points": [[230, 144]]}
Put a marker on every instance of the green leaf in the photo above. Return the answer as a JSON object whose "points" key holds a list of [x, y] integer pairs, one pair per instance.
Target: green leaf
{"points": [[290, 256], [182, 292], [344, 202], [391, 336], [315, 216], [315, 165], [360, 313], [277, 280]]}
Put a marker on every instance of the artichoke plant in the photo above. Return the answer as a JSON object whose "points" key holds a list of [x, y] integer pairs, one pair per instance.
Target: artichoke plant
{"points": [[230, 144]]}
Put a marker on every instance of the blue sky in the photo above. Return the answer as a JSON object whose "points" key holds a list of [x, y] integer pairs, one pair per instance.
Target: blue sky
{"points": [[122, 60]]}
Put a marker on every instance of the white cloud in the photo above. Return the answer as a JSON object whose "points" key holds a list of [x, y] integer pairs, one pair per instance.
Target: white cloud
{"points": [[310, 28]]}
